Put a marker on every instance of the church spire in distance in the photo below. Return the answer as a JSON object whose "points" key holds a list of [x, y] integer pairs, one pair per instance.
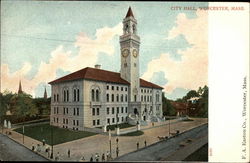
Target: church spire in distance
{"points": [[45, 93], [20, 88]]}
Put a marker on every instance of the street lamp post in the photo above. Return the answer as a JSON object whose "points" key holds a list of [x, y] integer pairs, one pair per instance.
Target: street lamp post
{"points": [[23, 133], [169, 127], [110, 143], [51, 142]]}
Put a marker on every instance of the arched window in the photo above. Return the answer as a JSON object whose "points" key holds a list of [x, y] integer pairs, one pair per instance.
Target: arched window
{"points": [[64, 95], [117, 98], [126, 29], [126, 98], [134, 29], [121, 98], [107, 97], [67, 95], [74, 95], [93, 94], [113, 98], [78, 95], [97, 95]]}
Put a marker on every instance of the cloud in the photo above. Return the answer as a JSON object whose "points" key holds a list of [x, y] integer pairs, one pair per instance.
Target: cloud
{"points": [[191, 71], [64, 60]]}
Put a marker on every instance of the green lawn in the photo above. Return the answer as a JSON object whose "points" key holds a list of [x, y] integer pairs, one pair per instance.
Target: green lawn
{"points": [[135, 133], [60, 135], [122, 125]]}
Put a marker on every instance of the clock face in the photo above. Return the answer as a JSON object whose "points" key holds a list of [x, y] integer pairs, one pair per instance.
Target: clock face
{"points": [[125, 52], [135, 53]]}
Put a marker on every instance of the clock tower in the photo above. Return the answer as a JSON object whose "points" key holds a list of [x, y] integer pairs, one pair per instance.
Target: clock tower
{"points": [[130, 43]]}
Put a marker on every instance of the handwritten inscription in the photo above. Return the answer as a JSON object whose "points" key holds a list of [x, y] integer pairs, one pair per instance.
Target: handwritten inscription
{"points": [[210, 8]]}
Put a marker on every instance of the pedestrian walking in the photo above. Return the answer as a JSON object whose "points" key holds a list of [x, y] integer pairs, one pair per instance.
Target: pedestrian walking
{"points": [[117, 152], [68, 153], [96, 157], [137, 145], [43, 142], [91, 158], [32, 147], [107, 155], [117, 140], [103, 157], [145, 142], [57, 157]]}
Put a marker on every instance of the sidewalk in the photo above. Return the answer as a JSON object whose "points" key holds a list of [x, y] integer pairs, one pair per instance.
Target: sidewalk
{"points": [[17, 137]]}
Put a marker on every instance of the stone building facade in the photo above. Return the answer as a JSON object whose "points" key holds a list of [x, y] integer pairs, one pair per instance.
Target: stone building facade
{"points": [[92, 97]]}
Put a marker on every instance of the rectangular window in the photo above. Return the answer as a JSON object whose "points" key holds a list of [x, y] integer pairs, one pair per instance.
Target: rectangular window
{"points": [[121, 88], [54, 98], [74, 113], [117, 98], [113, 98], [141, 98], [122, 110], [77, 111], [117, 88], [93, 111], [107, 87], [98, 122], [113, 110], [97, 111], [126, 109], [112, 87], [117, 110], [57, 96], [93, 122], [77, 122], [107, 110], [54, 119], [66, 121], [67, 111], [108, 121], [57, 120], [57, 110], [54, 110], [64, 111], [113, 120]]}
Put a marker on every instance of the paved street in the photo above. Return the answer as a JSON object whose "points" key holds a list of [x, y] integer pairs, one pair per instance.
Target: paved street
{"points": [[12, 151], [170, 150], [100, 143]]}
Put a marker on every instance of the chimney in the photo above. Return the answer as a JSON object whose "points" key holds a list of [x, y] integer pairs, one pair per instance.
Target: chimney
{"points": [[98, 66]]}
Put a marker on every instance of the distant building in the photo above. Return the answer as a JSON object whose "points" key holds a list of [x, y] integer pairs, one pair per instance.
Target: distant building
{"points": [[92, 97], [181, 108]]}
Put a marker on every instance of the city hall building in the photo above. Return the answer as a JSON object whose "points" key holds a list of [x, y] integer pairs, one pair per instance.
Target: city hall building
{"points": [[92, 97]]}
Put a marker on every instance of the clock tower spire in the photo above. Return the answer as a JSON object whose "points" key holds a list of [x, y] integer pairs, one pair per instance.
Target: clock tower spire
{"points": [[130, 43]]}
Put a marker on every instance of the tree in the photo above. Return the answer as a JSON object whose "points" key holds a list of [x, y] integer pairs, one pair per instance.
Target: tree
{"points": [[167, 107], [25, 106], [203, 103], [190, 94], [5, 102]]}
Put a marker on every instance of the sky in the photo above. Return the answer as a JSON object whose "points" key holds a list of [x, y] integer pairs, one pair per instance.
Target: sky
{"points": [[45, 40]]}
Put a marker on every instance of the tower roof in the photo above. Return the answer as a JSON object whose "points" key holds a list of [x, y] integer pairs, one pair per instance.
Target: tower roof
{"points": [[130, 13]]}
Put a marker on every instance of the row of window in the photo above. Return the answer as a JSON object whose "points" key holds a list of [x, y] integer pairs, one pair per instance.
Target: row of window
{"points": [[65, 121], [117, 110], [146, 91], [117, 88], [76, 111], [146, 98], [76, 95], [123, 119], [121, 98]]}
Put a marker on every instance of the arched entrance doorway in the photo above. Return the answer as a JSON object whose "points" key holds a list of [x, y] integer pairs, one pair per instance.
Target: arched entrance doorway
{"points": [[136, 111]]}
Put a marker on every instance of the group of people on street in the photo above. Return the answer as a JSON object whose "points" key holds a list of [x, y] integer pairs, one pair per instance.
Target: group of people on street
{"points": [[97, 158]]}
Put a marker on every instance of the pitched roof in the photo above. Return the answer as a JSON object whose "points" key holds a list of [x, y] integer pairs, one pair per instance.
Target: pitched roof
{"points": [[129, 13], [101, 75]]}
